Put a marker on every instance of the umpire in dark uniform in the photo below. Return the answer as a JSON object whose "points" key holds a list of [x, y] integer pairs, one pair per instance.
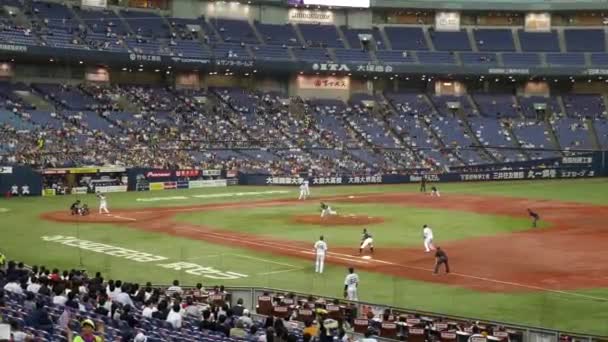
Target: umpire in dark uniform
{"points": [[423, 184], [441, 258]]}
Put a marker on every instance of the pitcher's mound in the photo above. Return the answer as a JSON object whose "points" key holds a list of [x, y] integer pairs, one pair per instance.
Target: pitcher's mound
{"points": [[338, 220]]}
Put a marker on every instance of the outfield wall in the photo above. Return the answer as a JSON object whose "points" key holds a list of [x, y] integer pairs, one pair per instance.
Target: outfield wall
{"points": [[148, 179], [591, 165]]}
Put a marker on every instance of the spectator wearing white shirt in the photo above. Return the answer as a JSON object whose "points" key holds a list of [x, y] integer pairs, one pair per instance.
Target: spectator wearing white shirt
{"points": [[59, 298], [174, 317], [34, 286], [124, 298], [148, 310], [174, 289], [13, 286]]}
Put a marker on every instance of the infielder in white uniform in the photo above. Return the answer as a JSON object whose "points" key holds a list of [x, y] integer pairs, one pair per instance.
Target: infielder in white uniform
{"points": [[307, 188], [427, 233], [302, 192], [103, 204], [351, 282], [320, 250], [366, 241], [326, 210]]}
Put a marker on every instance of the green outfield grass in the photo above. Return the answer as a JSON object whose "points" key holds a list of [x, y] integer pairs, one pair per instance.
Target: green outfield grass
{"points": [[22, 231], [403, 225]]}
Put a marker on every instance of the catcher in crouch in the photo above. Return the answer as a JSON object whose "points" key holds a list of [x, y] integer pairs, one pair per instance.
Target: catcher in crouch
{"points": [[326, 210]]}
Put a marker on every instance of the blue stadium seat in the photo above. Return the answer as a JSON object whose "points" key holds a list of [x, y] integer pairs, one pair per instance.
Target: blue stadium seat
{"points": [[450, 40], [494, 39], [584, 40], [539, 41]]}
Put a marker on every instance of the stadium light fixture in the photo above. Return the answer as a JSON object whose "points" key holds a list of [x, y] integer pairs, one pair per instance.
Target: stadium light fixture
{"points": [[80, 62]]}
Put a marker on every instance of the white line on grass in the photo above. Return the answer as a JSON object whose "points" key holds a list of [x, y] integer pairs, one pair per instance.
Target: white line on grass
{"points": [[220, 195], [281, 271], [194, 258], [123, 218], [263, 260], [503, 282]]}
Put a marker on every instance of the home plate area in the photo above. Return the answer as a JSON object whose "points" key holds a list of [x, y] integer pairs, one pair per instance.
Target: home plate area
{"points": [[337, 220]]}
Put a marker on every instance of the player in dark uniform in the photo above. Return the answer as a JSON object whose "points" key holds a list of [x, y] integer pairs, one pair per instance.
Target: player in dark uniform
{"points": [[441, 258], [535, 217], [423, 184], [75, 208]]}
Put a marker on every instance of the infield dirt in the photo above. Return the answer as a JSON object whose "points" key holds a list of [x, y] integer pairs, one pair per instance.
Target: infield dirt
{"points": [[570, 254]]}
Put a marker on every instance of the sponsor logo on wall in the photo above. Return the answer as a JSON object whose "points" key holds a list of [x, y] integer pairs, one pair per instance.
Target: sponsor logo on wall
{"points": [[325, 83], [310, 16]]}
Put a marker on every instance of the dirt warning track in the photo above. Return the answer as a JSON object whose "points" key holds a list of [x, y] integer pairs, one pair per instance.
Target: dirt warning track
{"points": [[570, 255]]}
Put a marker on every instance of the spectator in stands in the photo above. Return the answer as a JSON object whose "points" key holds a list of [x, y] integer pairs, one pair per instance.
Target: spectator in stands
{"points": [[34, 286], [191, 309], [29, 304], [246, 318], [310, 329], [368, 337], [123, 296], [222, 326], [40, 319], [238, 309], [13, 285], [72, 301], [148, 309], [44, 288], [238, 331], [101, 307], [87, 332], [306, 337], [16, 334], [206, 323], [161, 310], [174, 317], [59, 298], [174, 289]]}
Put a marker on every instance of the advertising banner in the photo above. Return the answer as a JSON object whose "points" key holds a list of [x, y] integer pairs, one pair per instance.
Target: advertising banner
{"points": [[81, 190], [155, 186], [111, 188], [169, 185], [207, 183], [48, 192]]}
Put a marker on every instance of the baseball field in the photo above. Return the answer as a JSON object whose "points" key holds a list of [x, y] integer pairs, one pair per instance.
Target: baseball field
{"points": [[553, 276]]}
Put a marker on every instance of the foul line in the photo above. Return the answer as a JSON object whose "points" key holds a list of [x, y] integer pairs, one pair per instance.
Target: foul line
{"points": [[263, 260], [353, 258], [281, 271], [462, 275], [123, 218]]}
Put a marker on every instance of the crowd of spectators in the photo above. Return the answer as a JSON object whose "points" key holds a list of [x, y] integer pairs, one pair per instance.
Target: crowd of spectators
{"points": [[46, 304]]}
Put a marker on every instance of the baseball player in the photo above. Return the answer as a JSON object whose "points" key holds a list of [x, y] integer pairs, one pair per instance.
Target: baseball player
{"points": [[307, 188], [15, 190], [302, 192], [535, 217], [103, 203], [441, 258], [423, 184], [326, 210], [320, 250], [427, 233], [435, 192], [366, 241], [351, 282]]}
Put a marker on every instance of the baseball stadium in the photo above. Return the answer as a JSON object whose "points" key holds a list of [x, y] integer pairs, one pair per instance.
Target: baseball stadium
{"points": [[304, 170]]}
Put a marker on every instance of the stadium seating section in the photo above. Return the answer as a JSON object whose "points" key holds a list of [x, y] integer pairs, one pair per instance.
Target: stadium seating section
{"points": [[43, 305]]}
